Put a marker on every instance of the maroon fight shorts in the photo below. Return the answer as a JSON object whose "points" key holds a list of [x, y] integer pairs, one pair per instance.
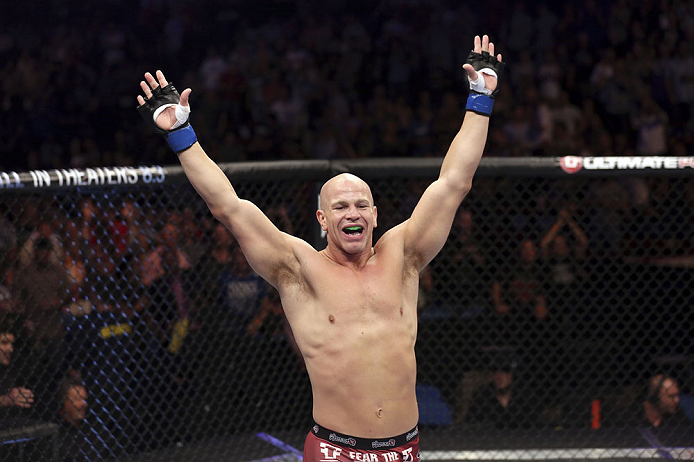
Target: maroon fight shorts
{"points": [[323, 445]]}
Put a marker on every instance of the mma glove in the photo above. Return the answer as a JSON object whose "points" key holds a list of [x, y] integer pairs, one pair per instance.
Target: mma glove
{"points": [[181, 136], [481, 99]]}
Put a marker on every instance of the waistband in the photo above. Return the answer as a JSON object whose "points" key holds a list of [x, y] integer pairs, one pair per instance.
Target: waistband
{"points": [[366, 444]]}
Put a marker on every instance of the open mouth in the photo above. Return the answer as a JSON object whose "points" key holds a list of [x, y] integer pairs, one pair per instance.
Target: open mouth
{"points": [[355, 230]]}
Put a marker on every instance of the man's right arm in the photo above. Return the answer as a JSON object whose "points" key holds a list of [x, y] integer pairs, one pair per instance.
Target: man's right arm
{"points": [[267, 249]]}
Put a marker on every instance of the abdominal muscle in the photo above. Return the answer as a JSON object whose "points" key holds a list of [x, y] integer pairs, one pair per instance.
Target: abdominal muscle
{"points": [[363, 377]]}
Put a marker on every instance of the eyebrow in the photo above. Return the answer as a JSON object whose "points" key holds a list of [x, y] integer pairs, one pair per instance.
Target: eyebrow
{"points": [[344, 202]]}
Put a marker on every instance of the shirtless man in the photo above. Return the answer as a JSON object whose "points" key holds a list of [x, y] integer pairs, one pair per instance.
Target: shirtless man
{"points": [[351, 306]]}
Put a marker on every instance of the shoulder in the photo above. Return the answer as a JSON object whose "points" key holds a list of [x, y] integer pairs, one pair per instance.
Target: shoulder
{"points": [[392, 240], [293, 269]]}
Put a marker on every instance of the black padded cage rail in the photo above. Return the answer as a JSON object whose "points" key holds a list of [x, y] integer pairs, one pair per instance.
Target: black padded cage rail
{"points": [[556, 319]]}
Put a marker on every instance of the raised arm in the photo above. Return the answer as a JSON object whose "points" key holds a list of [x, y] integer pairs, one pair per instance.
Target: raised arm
{"points": [[266, 248], [427, 229]]}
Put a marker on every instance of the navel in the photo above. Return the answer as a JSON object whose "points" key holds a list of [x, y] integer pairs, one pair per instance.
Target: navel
{"points": [[331, 318], [379, 412], [401, 312]]}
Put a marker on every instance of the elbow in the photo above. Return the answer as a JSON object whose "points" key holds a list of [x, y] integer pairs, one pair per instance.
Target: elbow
{"points": [[465, 188], [456, 187], [217, 212], [460, 190], [224, 208]]}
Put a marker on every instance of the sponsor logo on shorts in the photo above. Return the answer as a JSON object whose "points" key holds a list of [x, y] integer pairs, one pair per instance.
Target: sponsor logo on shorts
{"points": [[343, 440], [412, 434], [315, 429], [383, 444]]}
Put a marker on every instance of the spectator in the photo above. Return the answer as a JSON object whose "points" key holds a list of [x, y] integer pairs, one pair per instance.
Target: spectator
{"points": [[564, 262], [651, 125], [75, 266], [8, 239], [41, 290], [26, 253], [161, 270], [661, 404], [469, 274], [14, 399], [520, 291], [501, 404], [78, 441]]}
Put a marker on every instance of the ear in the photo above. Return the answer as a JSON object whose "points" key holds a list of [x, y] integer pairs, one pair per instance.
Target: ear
{"points": [[322, 220], [375, 217]]}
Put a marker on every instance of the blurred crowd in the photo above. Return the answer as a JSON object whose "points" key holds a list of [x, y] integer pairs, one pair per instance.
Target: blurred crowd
{"points": [[124, 297], [567, 298], [317, 80]]}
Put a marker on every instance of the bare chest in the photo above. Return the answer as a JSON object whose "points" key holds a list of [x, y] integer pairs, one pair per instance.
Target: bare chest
{"points": [[363, 297]]}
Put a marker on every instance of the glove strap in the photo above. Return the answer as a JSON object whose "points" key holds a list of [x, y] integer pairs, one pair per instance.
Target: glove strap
{"points": [[181, 139], [480, 104]]}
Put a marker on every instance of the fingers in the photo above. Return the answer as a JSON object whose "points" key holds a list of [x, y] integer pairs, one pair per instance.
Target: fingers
{"points": [[162, 79], [151, 80], [24, 397], [149, 84], [184, 97], [472, 74], [483, 44], [145, 89]]}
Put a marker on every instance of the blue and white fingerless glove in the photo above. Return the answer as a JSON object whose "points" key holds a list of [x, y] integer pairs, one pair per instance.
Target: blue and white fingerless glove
{"points": [[481, 99], [181, 136]]}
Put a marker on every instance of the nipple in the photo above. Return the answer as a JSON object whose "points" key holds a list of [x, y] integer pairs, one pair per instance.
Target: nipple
{"points": [[331, 318], [379, 412]]}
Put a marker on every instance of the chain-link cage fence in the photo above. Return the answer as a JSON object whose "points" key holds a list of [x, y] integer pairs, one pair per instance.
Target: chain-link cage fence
{"points": [[556, 322]]}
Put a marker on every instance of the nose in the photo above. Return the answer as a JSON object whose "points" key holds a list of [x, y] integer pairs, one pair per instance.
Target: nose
{"points": [[352, 212]]}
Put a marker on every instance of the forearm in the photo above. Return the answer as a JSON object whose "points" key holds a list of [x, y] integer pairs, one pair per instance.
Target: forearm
{"points": [[207, 179], [465, 152]]}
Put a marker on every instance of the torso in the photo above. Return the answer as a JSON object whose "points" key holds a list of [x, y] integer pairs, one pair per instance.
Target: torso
{"points": [[356, 329]]}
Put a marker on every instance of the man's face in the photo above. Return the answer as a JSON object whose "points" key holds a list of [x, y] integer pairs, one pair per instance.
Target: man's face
{"points": [[75, 405], [6, 348], [669, 397], [347, 214]]}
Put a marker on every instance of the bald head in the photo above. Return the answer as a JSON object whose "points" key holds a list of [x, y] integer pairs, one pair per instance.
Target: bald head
{"points": [[342, 183]]}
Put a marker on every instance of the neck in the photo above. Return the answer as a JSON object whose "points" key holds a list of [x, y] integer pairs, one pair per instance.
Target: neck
{"points": [[355, 261]]}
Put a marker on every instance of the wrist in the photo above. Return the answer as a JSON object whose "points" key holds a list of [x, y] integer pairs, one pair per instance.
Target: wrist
{"points": [[182, 138], [480, 104]]}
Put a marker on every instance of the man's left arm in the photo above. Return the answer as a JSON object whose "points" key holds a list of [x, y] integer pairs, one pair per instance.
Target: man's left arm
{"points": [[426, 231]]}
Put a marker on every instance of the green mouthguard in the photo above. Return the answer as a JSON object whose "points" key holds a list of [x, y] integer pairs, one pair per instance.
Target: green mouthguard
{"points": [[353, 228]]}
